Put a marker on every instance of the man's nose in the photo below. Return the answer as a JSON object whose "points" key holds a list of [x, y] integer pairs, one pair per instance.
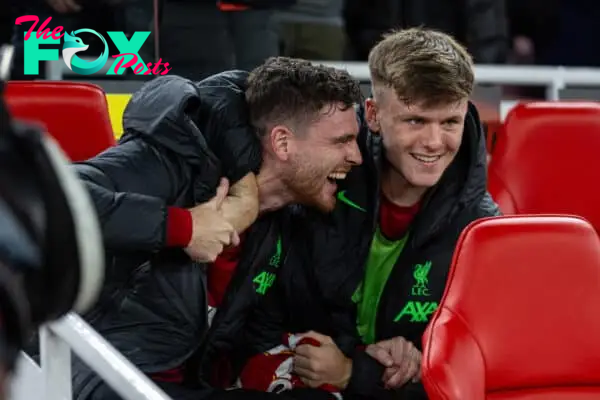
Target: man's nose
{"points": [[432, 139], [354, 157]]}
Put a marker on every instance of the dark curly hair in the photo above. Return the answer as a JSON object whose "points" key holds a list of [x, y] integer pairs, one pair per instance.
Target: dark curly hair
{"points": [[293, 91]]}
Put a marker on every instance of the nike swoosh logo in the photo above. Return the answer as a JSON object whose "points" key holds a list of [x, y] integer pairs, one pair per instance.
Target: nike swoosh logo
{"points": [[341, 196]]}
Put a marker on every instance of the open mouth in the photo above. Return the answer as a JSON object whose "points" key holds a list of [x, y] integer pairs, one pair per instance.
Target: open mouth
{"points": [[336, 176], [425, 158]]}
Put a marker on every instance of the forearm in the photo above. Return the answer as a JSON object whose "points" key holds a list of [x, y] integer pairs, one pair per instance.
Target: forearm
{"points": [[132, 204]]}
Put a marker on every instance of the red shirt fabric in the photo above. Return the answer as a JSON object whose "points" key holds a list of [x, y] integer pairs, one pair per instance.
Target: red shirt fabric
{"points": [[179, 227], [220, 273], [394, 220]]}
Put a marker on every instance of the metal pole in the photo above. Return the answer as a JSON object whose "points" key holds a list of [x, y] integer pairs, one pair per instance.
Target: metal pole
{"points": [[105, 360]]}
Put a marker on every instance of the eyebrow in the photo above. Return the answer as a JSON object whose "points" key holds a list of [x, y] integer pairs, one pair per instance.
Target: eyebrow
{"points": [[345, 138], [405, 117]]}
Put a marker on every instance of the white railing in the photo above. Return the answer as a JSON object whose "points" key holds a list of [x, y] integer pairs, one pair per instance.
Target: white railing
{"points": [[553, 78], [57, 339]]}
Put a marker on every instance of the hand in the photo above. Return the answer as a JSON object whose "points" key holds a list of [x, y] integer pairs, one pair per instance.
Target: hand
{"points": [[401, 359], [324, 364], [64, 6], [210, 230], [240, 207]]}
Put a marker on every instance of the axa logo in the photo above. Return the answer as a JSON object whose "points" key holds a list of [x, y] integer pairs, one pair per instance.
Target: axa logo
{"points": [[418, 311], [128, 56]]}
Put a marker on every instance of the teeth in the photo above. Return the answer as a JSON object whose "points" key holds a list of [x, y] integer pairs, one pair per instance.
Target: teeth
{"points": [[427, 159], [337, 175]]}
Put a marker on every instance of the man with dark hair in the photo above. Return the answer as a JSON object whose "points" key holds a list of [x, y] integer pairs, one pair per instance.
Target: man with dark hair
{"points": [[155, 196], [304, 121], [375, 269]]}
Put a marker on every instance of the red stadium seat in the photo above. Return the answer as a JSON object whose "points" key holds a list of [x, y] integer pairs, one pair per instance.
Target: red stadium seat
{"points": [[75, 114], [546, 161], [519, 319]]}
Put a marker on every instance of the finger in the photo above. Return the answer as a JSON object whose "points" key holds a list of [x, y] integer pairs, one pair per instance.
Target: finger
{"points": [[221, 194], [215, 251], [399, 349], [402, 374], [396, 380], [388, 373], [323, 339], [311, 383], [417, 377], [306, 351], [418, 356], [387, 344], [380, 354], [393, 381], [302, 363], [305, 373], [401, 365], [235, 239], [412, 371], [225, 237]]}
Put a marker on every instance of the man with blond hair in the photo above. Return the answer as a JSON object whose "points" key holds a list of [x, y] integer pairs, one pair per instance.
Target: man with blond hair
{"points": [[379, 264]]}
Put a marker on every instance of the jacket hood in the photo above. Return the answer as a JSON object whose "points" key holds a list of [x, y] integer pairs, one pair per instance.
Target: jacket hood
{"points": [[206, 123], [161, 112]]}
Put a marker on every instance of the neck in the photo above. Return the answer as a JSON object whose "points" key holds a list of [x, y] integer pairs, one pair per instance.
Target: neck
{"points": [[398, 190], [272, 191]]}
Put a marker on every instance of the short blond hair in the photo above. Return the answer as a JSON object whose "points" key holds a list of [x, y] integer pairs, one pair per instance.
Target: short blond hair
{"points": [[422, 66]]}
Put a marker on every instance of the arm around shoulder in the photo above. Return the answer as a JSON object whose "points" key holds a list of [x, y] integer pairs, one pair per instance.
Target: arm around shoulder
{"points": [[131, 186]]}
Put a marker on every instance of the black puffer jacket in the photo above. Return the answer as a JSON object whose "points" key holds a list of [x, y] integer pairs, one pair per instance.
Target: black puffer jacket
{"points": [[180, 138]]}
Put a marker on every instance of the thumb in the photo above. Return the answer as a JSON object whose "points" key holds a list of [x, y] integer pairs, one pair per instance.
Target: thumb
{"points": [[322, 339], [222, 191], [235, 239], [380, 354]]}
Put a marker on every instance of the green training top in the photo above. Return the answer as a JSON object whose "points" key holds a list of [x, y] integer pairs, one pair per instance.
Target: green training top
{"points": [[382, 257]]}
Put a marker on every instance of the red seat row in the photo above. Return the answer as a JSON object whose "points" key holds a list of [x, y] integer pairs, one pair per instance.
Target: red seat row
{"points": [[76, 114]]}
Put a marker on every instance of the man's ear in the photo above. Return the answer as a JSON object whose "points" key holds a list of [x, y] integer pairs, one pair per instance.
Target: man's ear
{"points": [[281, 139], [371, 115]]}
